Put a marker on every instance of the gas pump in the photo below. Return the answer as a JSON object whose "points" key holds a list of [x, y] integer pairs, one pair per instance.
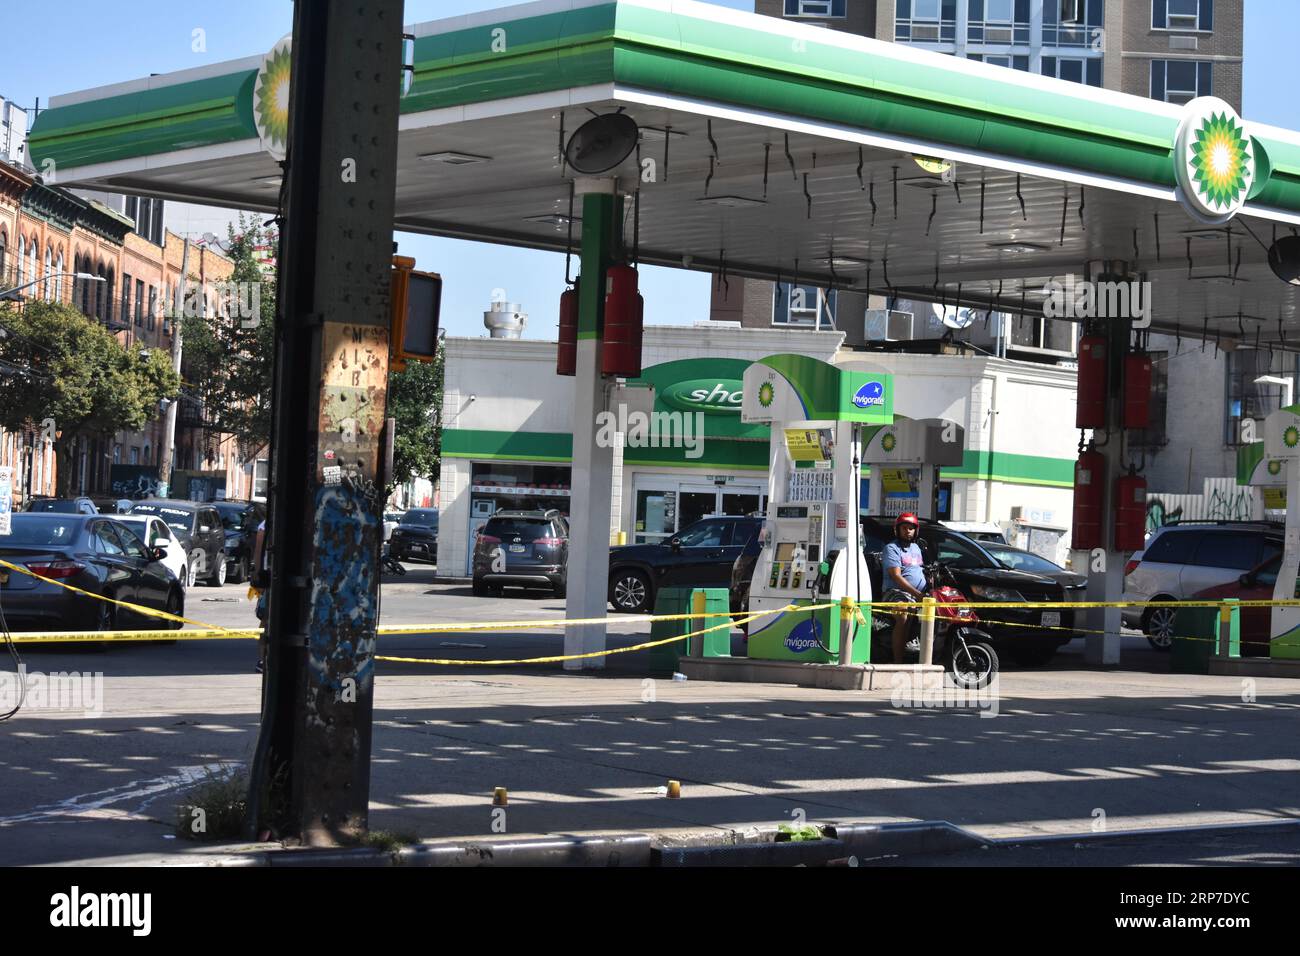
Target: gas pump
{"points": [[914, 444], [1282, 446], [811, 549]]}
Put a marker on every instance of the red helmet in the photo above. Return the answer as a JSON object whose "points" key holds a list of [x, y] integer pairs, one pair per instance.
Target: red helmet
{"points": [[907, 518]]}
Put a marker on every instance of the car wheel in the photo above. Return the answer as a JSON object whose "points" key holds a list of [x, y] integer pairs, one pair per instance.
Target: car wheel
{"points": [[630, 592], [192, 574], [240, 574], [1158, 625], [219, 574]]}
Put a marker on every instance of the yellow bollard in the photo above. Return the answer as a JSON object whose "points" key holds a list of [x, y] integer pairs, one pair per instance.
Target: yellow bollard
{"points": [[674, 789], [499, 797]]}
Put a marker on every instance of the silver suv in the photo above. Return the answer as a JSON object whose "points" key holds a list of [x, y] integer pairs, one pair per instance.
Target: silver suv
{"points": [[1184, 558]]}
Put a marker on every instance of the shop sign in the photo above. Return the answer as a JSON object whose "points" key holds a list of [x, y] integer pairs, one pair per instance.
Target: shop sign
{"points": [[708, 395]]}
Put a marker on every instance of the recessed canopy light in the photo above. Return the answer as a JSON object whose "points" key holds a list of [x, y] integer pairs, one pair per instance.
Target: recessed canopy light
{"points": [[452, 158], [733, 202], [1018, 247], [845, 262], [553, 219]]}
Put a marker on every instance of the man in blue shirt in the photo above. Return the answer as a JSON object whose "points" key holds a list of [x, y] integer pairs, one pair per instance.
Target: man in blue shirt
{"points": [[904, 574]]}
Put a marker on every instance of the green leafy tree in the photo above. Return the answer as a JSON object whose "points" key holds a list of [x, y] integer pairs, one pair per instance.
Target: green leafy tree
{"points": [[227, 356], [415, 402], [57, 364]]}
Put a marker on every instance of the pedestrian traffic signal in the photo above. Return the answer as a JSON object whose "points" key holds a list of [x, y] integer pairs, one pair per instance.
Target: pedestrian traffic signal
{"points": [[416, 310]]}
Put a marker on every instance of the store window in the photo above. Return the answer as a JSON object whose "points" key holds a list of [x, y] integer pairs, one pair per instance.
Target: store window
{"points": [[666, 505], [497, 486], [1179, 81]]}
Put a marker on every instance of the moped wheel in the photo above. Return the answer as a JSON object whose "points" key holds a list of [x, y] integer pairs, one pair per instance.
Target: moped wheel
{"points": [[973, 664]]}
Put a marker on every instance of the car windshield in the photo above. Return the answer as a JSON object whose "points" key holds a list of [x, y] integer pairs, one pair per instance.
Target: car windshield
{"points": [[1019, 560], [178, 519], [141, 526], [422, 517], [47, 505], [29, 530], [706, 534], [232, 516]]}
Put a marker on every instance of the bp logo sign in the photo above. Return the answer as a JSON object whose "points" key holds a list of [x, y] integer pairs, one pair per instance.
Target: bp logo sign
{"points": [[765, 394], [1291, 437], [1274, 467], [271, 99], [1214, 160], [708, 395], [889, 441]]}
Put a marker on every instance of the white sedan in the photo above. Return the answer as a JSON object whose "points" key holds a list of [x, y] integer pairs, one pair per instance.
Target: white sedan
{"points": [[153, 531]]}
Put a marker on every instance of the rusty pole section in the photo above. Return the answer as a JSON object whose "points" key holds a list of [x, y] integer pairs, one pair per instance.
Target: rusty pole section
{"points": [[312, 768]]}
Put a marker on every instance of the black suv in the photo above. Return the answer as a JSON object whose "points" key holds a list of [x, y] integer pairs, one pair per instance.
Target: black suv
{"points": [[1029, 635], [198, 527], [700, 555], [416, 536], [240, 520], [521, 548]]}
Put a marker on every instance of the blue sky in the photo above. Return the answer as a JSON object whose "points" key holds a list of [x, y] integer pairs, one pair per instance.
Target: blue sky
{"points": [[68, 45]]}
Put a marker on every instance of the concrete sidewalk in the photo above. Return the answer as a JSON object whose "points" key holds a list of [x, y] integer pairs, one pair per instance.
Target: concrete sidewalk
{"points": [[1068, 751]]}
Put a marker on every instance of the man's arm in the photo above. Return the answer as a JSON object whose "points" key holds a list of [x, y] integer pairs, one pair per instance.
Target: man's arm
{"points": [[900, 582]]}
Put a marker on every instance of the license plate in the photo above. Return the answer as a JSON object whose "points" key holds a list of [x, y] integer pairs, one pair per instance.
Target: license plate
{"points": [[517, 549], [1051, 618]]}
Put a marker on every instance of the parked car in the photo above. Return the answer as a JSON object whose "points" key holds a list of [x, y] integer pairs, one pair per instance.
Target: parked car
{"points": [[415, 537], [390, 522], [703, 554], [521, 548], [240, 520], [198, 527], [1256, 622], [63, 506], [1184, 558], [1029, 636], [93, 553], [156, 533]]}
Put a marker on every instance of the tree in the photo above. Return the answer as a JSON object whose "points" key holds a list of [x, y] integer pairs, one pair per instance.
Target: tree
{"points": [[415, 402], [228, 356], [57, 364]]}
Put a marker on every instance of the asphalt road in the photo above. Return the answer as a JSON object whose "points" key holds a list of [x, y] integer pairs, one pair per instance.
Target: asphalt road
{"points": [[589, 752]]}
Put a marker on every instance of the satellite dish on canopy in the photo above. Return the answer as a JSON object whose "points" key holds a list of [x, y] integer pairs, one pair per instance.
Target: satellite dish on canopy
{"points": [[602, 143]]}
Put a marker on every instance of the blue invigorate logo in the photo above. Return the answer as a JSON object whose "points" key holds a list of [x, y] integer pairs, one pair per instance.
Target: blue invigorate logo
{"points": [[873, 393], [804, 636]]}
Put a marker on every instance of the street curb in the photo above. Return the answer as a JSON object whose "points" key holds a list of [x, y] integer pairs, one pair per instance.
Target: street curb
{"points": [[1124, 836]]}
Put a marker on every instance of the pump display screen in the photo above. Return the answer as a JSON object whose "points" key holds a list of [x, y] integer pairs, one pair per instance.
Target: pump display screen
{"points": [[791, 511], [784, 550]]}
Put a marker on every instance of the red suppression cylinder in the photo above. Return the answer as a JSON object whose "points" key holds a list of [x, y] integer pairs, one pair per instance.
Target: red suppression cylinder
{"points": [[1091, 409], [1089, 497], [1137, 390], [566, 355], [624, 311], [1130, 512]]}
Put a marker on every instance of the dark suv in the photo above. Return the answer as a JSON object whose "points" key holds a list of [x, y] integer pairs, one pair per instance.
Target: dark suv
{"points": [[240, 520], [198, 527], [1030, 636], [416, 536], [700, 555], [521, 548]]}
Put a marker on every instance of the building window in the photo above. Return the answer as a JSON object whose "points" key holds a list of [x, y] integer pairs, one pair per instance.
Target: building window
{"points": [[1179, 81], [139, 302], [1182, 15], [926, 21], [803, 306], [126, 297], [117, 454], [22, 262], [58, 277], [815, 8], [997, 21], [3, 238], [1073, 23], [153, 306], [1248, 399], [1074, 69], [261, 477], [48, 286], [135, 454]]}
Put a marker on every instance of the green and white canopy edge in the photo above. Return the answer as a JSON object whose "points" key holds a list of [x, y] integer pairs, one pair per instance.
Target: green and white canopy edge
{"points": [[1096, 169]]}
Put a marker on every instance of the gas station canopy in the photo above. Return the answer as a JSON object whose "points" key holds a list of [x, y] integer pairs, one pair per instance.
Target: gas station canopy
{"points": [[766, 149]]}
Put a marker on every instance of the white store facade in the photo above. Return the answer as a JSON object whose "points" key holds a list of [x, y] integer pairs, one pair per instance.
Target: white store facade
{"points": [[507, 435]]}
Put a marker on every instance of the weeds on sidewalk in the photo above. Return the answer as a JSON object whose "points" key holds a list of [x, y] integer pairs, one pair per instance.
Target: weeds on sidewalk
{"points": [[216, 807]]}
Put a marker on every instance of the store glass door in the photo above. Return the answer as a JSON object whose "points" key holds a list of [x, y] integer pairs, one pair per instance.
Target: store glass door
{"points": [[741, 503]]}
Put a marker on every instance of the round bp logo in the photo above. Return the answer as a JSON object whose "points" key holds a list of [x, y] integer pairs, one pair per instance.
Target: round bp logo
{"points": [[765, 394], [1291, 437], [709, 395], [1275, 467], [1214, 160], [889, 441], [804, 636], [271, 99], [870, 395]]}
